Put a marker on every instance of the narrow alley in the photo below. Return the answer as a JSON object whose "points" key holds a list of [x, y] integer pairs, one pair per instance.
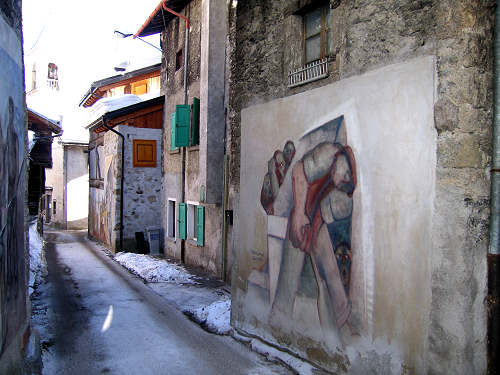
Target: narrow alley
{"points": [[95, 318]]}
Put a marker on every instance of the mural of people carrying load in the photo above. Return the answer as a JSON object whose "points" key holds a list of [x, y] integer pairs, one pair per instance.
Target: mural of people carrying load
{"points": [[307, 194]]}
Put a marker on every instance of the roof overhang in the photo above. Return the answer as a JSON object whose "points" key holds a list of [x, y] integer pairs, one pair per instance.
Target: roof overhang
{"points": [[98, 88], [41, 124], [98, 124], [159, 18]]}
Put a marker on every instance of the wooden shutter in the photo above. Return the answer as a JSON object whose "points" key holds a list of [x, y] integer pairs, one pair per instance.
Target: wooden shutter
{"points": [[195, 122], [144, 152], [182, 125], [172, 132], [182, 220], [200, 225]]}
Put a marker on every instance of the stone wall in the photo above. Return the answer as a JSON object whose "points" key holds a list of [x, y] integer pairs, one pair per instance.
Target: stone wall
{"points": [[14, 320], [142, 187], [369, 35]]}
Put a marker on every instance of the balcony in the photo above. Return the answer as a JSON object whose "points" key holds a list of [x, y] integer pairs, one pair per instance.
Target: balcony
{"points": [[53, 83], [308, 73]]}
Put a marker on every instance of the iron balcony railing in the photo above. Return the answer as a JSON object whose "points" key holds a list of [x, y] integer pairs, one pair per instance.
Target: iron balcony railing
{"points": [[308, 73], [53, 83]]}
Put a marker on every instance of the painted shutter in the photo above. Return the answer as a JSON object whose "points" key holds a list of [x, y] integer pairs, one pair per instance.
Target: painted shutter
{"points": [[182, 113], [195, 122], [200, 225], [181, 218], [172, 132]]}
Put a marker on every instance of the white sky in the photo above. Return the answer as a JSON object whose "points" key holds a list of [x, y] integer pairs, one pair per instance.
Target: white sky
{"points": [[78, 37]]}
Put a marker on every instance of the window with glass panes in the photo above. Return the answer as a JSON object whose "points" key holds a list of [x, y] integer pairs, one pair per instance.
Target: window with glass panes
{"points": [[316, 34]]}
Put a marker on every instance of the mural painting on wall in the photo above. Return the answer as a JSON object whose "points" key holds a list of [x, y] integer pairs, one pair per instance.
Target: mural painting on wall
{"points": [[307, 194], [11, 191]]}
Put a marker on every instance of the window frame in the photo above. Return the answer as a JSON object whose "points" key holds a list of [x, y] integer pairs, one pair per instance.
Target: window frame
{"points": [[191, 220], [171, 219], [325, 28]]}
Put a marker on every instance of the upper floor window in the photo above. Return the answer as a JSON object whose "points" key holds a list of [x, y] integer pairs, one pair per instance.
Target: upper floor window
{"points": [[33, 77], [316, 34], [52, 79], [52, 74], [178, 60]]}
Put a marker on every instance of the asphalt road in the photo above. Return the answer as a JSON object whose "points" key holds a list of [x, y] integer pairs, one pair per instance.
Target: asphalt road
{"points": [[95, 318]]}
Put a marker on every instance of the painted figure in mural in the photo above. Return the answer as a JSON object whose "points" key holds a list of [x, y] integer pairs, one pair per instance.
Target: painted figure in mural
{"points": [[277, 168], [322, 182], [320, 223]]}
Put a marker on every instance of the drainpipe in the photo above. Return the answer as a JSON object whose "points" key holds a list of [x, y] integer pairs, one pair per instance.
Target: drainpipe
{"points": [[494, 249], [122, 177]]}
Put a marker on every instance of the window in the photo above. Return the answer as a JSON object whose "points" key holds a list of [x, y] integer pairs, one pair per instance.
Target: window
{"points": [[139, 88], [33, 77], [185, 125], [96, 165], [52, 77], [171, 218], [195, 122], [317, 34], [117, 91], [144, 153], [52, 72], [191, 221], [54, 207], [178, 60]]}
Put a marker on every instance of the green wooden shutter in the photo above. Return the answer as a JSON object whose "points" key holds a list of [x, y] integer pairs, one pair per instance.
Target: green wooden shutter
{"points": [[182, 125], [200, 225], [182, 220], [195, 122], [172, 132]]}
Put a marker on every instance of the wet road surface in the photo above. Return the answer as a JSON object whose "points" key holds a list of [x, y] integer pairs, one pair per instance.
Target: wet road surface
{"points": [[95, 318]]}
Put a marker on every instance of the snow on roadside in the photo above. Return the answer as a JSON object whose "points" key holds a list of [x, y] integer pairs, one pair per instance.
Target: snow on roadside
{"points": [[37, 264], [214, 317], [153, 269]]}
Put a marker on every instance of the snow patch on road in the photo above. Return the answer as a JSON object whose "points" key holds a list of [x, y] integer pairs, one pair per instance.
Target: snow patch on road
{"points": [[214, 317], [37, 263], [154, 270]]}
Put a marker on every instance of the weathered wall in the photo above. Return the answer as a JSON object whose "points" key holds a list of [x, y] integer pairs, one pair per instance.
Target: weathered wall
{"points": [[77, 185], [142, 187], [13, 284], [366, 36], [203, 179], [103, 202]]}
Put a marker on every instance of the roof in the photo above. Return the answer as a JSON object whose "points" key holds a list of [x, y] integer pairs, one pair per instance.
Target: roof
{"points": [[98, 124], [159, 18], [98, 88], [42, 124]]}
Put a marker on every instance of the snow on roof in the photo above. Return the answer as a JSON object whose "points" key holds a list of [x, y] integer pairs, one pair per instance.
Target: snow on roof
{"points": [[106, 105]]}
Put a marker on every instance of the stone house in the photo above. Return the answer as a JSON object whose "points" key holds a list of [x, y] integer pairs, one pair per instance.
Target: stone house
{"points": [[124, 171], [14, 308], [193, 164], [359, 139]]}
